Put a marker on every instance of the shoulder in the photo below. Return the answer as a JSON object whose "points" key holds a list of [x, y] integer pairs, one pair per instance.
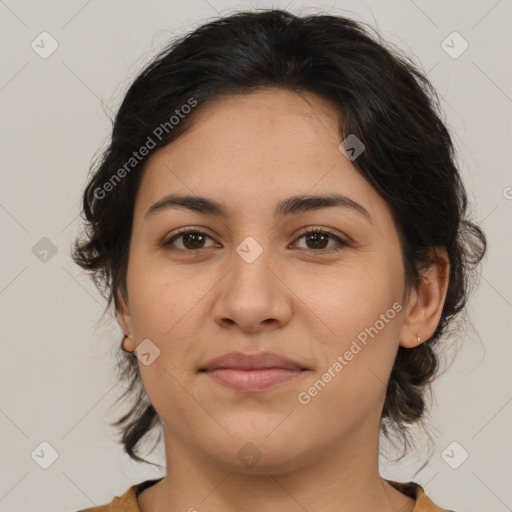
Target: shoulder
{"points": [[127, 502], [415, 490]]}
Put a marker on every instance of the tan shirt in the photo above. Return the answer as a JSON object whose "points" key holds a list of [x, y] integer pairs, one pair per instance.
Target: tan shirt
{"points": [[128, 501]]}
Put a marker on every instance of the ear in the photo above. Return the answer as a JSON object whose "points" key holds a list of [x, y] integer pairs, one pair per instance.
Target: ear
{"points": [[124, 318], [425, 304]]}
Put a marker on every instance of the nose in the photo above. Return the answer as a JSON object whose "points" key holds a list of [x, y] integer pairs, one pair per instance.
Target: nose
{"points": [[253, 296]]}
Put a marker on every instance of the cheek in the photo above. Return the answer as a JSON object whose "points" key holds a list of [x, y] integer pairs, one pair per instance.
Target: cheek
{"points": [[351, 378], [161, 302], [349, 299], [161, 294], [166, 302], [360, 316]]}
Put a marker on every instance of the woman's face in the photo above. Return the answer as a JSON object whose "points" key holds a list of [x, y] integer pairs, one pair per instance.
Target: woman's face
{"points": [[251, 281]]}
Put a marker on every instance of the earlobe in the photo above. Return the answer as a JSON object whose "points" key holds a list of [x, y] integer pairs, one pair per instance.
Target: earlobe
{"points": [[127, 342], [427, 301], [125, 322], [414, 341]]}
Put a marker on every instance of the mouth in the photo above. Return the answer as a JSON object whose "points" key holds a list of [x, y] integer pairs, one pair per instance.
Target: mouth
{"points": [[252, 371]]}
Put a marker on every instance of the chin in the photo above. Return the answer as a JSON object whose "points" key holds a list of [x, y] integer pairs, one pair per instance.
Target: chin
{"points": [[255, 452]]}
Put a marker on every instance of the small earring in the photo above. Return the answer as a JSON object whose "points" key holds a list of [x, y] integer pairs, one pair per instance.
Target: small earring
{"points": [[419, 340]]}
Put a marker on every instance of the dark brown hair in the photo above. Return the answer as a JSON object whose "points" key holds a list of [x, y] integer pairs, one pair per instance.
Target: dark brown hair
{"points": [[382, 98]]}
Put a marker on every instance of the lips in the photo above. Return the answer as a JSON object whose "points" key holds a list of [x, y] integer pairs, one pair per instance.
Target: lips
{"points": [[252, 371], [252, 361]]}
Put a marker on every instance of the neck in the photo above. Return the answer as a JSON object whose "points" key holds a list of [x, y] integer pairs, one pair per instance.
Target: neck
{"points": [[344, 479]]}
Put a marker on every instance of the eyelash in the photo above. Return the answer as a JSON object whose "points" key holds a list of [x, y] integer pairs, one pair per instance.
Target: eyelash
{"points": [[309, 231]]}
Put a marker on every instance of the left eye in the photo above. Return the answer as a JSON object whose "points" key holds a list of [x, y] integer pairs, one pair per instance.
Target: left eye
{"points": [[192, 240], [318, 237]]}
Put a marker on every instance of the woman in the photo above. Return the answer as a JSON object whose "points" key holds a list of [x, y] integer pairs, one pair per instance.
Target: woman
{"points": [[281, 227]]}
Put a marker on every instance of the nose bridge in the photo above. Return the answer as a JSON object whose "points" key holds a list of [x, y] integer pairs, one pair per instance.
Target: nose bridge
{"points": [[251, 294], [251, 260]]}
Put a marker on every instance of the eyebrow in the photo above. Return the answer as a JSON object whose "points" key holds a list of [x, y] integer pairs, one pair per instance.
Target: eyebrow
{"points": [[289, 206]]}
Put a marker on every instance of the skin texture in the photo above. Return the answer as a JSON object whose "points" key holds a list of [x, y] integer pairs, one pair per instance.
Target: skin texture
{"points": [[250, 152]]}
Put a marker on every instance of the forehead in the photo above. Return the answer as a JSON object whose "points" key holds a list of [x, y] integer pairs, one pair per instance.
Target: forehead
{"points": [[261, 127], [255, 149], [268, 119]]}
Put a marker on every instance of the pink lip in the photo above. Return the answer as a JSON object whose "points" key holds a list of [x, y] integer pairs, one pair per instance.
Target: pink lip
{"points": [[252, 380], [252, 371]]}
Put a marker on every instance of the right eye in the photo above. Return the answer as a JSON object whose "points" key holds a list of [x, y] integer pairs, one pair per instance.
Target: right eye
{"points": [[190, 239]]}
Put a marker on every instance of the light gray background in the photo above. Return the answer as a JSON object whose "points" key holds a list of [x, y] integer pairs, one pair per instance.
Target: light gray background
{"points": [[58, 382]]}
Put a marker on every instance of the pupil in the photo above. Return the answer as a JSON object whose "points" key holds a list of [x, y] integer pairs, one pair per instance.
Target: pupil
{"points": [[314, 235], [188, 236]]}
